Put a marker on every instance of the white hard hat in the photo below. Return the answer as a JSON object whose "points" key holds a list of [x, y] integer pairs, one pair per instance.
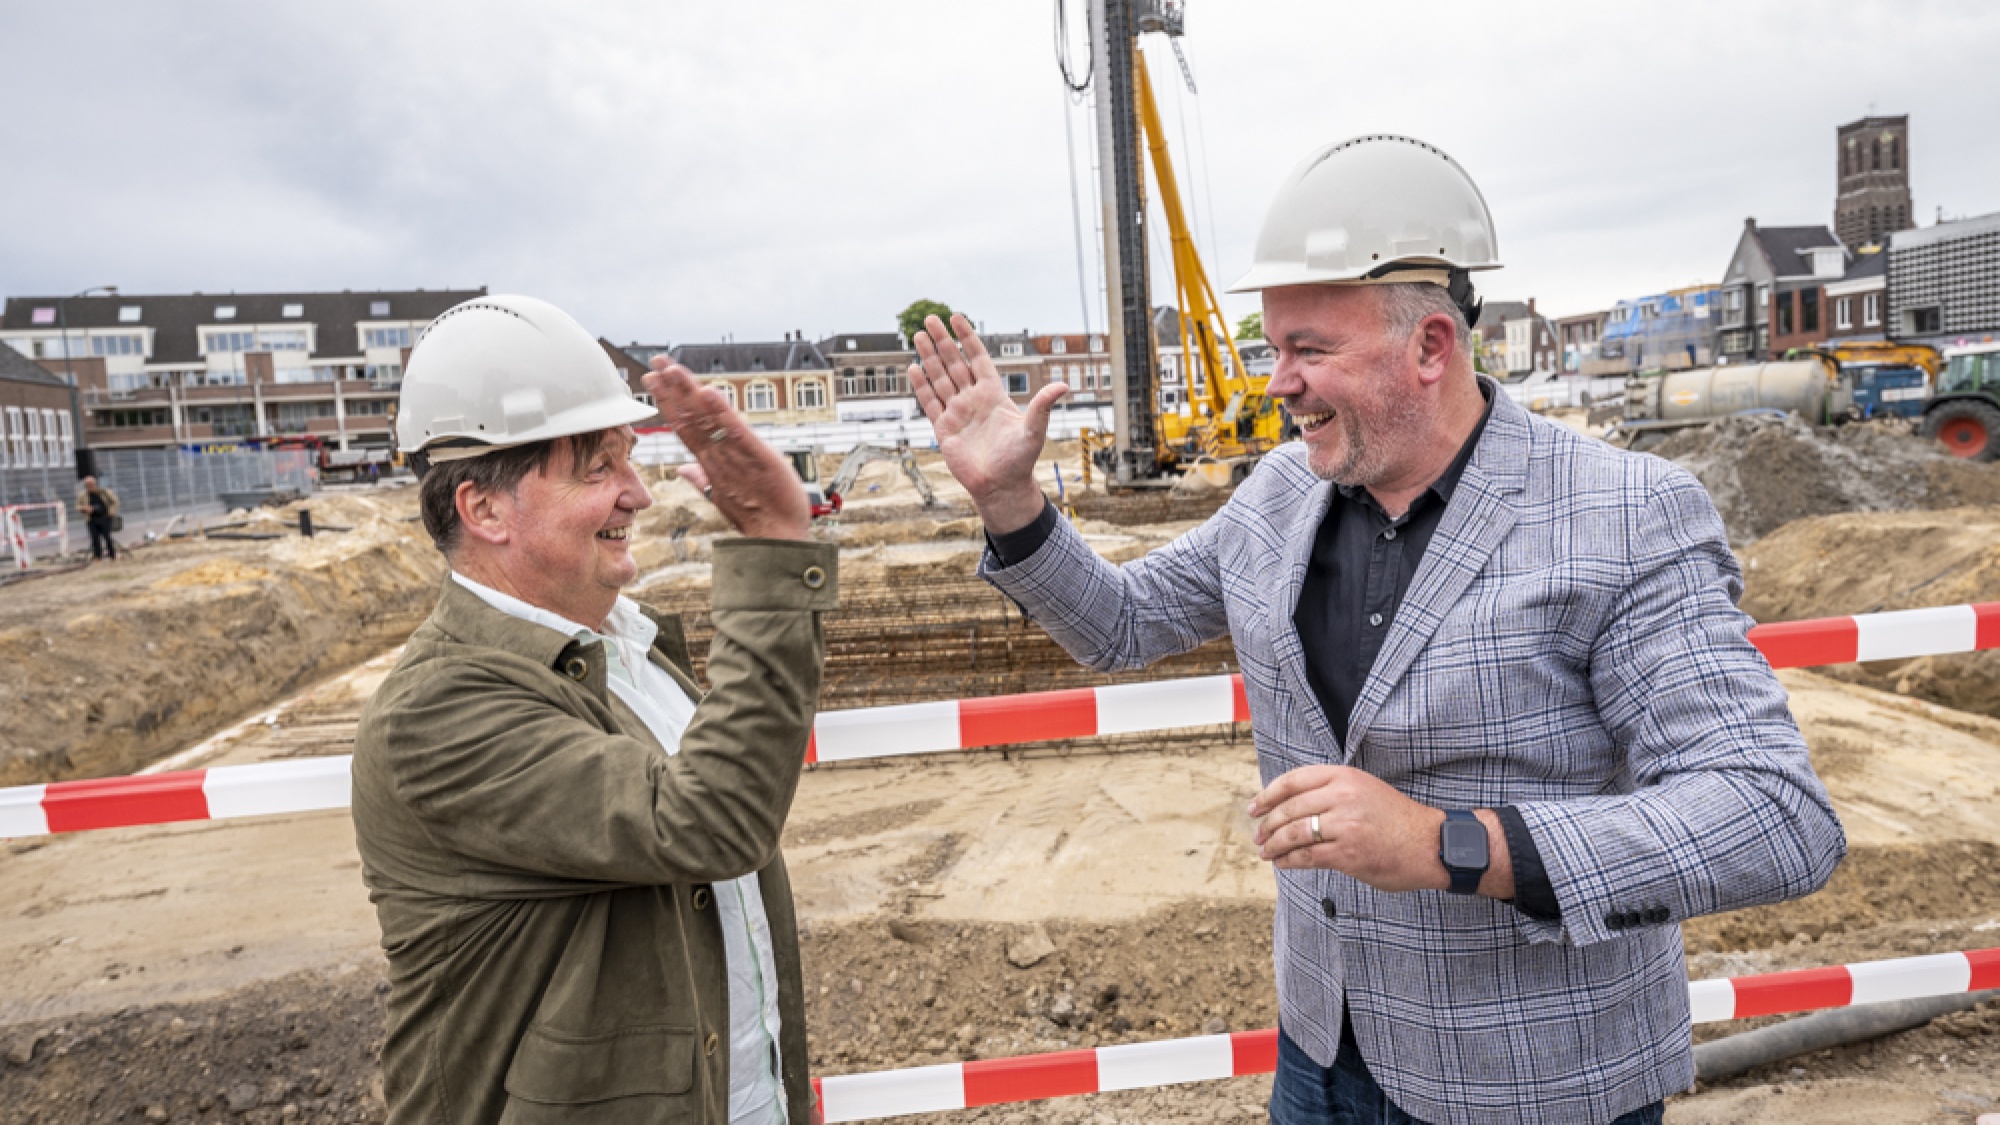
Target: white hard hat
{"points": [[1373, 209], [506, 370]]}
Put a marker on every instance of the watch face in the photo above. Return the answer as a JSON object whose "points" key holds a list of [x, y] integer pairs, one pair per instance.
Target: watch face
{"points": [[1464, 844]]}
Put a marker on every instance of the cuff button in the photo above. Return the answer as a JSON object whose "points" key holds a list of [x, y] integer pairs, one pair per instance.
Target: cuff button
{"points": [[814, 578], [576, 668]]}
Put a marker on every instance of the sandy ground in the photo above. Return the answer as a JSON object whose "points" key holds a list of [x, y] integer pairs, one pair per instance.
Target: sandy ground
{"points": [[1136, 864]]}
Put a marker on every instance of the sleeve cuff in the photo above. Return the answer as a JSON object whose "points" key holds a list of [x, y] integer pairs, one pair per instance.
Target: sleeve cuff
{"points": [[1015, 546], [1533, 893], [775, 574]]}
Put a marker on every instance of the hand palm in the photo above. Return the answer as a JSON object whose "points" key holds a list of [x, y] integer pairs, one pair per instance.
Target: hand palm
{"points": [[989, 443]]}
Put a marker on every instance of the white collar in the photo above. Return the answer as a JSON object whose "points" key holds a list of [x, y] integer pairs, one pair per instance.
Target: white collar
{"points": [[625, 624]]}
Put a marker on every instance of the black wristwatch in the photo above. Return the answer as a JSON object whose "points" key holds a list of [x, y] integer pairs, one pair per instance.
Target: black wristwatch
{"points": [[1462, 847]]}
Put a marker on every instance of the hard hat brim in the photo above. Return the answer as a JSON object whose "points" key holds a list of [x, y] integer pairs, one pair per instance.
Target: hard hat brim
{"points": [[1280, 275], [590, 419]]}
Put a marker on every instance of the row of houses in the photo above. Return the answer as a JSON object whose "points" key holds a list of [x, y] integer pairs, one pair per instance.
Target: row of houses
{"points": [[219, 373]]}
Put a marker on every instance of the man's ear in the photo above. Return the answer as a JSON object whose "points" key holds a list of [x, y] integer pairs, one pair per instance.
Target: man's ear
{"points": [[484, 514], [1436, 344]]}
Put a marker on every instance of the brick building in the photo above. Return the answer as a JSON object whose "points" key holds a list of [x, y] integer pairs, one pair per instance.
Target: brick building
{"points": [[1872, 200], [779, 382], [38, 416], [197, 370], [1773, 295]]}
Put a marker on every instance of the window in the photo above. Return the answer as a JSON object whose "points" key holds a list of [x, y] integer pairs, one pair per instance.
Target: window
{"points": [[1926, 321], [43, 316], [1763, 302], [728, 392], [225, 312], [368, 407], [117, 345], [129, 314], [1809, 310], [385, 372], [378, 308], [1017, 382], [760, 398], [385, 337], [36, 458], [757, 363], [644, 397], [1010, 347], [285, 340], [17, 450], [129, 419], [225, 342], [1871, 309], [1059, 345], [810, 395], [293, 312], [1096, 343], [852, 344], [1843, 313]]}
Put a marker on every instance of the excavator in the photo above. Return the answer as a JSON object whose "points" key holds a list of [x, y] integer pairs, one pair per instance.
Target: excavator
{"points": [[1232, 421], [828, 501]]}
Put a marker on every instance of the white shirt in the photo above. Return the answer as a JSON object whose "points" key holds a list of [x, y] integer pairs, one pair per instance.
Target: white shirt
{"points": [[756, 1094]]}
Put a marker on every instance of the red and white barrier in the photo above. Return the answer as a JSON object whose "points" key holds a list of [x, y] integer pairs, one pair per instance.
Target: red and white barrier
{"points": [[921, 728], [1169, 1062], [1897, 635], [223, 793]]}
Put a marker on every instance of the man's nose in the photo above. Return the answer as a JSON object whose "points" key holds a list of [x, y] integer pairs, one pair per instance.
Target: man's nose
{"points": [[637, 496]]}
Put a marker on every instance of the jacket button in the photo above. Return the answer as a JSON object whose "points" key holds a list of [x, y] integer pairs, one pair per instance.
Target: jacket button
{"points": [[814, 578], [1614, 920], [1327, 908], [1658, 915], [576, 668], [701, 898], [708, 1048]]}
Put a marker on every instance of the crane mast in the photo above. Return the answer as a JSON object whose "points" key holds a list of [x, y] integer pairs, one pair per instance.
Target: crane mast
{"points": [[1114, 30]]}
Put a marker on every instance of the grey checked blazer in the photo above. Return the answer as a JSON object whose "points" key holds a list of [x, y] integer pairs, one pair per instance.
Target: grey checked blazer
{"points": [[1571, 646]]}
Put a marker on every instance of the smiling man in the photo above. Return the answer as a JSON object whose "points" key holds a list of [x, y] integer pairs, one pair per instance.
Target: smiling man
{"points": [[1510, 726], [572, 851]]}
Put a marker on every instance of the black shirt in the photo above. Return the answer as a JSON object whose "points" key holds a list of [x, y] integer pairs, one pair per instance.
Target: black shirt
{"points": [[1362, 564]]}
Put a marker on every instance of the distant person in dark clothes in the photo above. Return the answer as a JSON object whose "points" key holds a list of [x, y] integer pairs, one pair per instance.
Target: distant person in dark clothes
{"points": [[99, 506]]}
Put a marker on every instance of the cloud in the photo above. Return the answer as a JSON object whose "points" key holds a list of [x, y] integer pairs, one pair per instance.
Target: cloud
{"points": [[680, 171]]}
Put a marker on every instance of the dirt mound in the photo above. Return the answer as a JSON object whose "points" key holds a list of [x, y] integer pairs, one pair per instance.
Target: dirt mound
{"points": [[1766, 472], [105, 669], [1869, 563]]}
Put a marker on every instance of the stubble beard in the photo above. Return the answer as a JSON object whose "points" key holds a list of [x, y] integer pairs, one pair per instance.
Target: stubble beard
{"points": [[1364, 462]]}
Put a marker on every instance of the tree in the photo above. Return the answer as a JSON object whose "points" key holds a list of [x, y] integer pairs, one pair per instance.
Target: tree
{"points": [[1251, 327], [911, 320]]}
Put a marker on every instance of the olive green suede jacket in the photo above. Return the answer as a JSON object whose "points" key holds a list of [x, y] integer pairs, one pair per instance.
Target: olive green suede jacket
{"points": [[541, 868]]}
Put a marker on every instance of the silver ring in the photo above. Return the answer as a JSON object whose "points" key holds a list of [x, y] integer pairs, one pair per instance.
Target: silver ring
{"points": [[1312, 824], [718, 437]]}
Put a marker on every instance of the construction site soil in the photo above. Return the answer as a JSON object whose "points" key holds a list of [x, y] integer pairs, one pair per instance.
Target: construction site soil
{"points": [[955, 906]]}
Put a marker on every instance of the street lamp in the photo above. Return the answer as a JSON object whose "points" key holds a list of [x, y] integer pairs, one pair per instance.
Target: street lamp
{"points": [[62, 315]]}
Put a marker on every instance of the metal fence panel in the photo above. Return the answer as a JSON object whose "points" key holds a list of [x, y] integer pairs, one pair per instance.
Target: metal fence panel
{"points": [[154, 484]]}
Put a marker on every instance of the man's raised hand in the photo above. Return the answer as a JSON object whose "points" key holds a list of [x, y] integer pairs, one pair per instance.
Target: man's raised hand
{"points": [[989, 443]]}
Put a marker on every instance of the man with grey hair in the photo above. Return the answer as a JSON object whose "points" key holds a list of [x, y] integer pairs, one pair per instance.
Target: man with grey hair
{"points": [[1510, 727]]}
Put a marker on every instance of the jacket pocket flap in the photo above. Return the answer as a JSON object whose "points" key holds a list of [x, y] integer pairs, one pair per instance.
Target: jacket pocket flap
{"points": [[554, 1068]]}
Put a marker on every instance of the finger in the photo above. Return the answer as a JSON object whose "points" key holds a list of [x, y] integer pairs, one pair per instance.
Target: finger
{"points": [[926, 397], [1294, 837], [971, 347], [928, 349], [1039, 407], [1287, 786], [949, 352]]}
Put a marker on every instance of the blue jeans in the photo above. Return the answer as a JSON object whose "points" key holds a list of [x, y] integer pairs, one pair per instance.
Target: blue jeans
{"points": [[1306, 1093]]}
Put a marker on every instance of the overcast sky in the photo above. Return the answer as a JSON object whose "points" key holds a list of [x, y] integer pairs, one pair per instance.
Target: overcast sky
{"points": [[675, 171]]}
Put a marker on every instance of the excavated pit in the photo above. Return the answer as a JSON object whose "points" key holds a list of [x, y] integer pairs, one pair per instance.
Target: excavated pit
{"points": [[226, 972]]}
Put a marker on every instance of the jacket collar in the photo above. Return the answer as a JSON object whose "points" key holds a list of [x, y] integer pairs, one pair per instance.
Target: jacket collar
{"points": [[464, 617], [1480, 516]]}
